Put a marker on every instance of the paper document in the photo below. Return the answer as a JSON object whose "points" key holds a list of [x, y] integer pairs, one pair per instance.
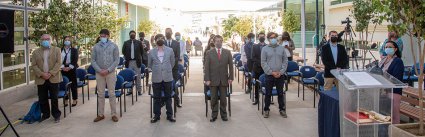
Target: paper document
{"points": [[362, 78]]}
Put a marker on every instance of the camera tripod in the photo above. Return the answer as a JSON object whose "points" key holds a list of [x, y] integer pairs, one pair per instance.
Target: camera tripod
{"points": [[348, 37], [8, 123]]}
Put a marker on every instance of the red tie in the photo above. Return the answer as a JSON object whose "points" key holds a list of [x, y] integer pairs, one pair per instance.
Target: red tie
{"points": [[219, 55]]}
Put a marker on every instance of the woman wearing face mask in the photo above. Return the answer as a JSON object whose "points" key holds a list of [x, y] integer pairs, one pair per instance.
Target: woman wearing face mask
{"points": [[69, 65], [288, 44], [392, 36], [210, 45], [393, 64]]}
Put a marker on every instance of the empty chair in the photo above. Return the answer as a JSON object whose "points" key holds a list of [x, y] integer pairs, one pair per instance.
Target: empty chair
{"points": [[91, 75], [81, 81], [307, 77], [130, 79], [291, 71]]}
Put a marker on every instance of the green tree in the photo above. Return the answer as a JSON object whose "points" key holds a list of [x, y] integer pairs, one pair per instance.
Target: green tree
{"points": [[290, 22], [243, 26], [228, 25], [146, 26]]}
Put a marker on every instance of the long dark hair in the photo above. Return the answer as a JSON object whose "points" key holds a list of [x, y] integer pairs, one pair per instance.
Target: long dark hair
{"points": [[286, 34], [63, 41], [398, 52]]}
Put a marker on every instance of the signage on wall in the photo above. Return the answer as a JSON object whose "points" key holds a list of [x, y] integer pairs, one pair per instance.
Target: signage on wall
{"points": [[7, 31]]}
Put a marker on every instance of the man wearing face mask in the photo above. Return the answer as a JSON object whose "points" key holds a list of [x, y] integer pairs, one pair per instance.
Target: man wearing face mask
{"points": [[256, 59], [182, 44], [161, 60], [249, 42], [46, 63], [105, 58], [133, 52], [169, 42], [69, 66], [274, 62], [218, 75], [334, 56]]}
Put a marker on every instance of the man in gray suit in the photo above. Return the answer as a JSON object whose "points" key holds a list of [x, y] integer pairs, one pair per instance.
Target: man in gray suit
{"points": [[218, 75], [161, 60], [175, 45]]}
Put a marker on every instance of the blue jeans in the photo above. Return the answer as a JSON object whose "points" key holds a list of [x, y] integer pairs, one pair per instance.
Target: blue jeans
{"points": [[278, 83], [158, 88]]}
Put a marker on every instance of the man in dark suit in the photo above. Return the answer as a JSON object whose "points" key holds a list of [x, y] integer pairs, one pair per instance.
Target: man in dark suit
{"points": [[169, 42], [257, 71], [249, 42], [133, 52], [69, 67], [218, 75], [333, 56], [146, 47]]}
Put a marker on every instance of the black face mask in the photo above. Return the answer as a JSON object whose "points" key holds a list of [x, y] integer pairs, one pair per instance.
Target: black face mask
{"points": [[142, 38], [160, 42], [334, 39], [262, 39], [132, 36]]}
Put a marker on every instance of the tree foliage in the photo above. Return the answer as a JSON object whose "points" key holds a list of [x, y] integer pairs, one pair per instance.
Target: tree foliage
{"points": [[243, 26], [228, 25], [146, 26], [290, 22]]}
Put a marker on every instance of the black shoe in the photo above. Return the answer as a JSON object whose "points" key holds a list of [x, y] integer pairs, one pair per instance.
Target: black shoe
{"points": [[255, 103], [249, 90], [224, 119], [155, 119], [213, 119], [57, 120], [179, 105], [171, 119], [128, 93], [43, 118], [139, 93]]}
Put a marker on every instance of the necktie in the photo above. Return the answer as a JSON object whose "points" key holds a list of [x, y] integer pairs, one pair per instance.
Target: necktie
{"points": [[219, 54], [66, 57], [169, 43], [132, 50]]}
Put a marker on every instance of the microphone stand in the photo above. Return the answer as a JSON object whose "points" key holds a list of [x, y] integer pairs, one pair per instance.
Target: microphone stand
{"points": [[374, 66], [8, 124]]}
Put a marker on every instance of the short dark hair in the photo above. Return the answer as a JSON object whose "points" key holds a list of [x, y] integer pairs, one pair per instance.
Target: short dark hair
{"points": [[270, 34], [286, 34], [216, 37], [142, 34], [261, 33], [132, 31], [332, 31], [104, 31], [250, 35], [158, 36]]}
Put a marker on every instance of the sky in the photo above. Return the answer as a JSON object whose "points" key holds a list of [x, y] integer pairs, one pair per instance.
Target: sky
{"points": [[206, 5]]}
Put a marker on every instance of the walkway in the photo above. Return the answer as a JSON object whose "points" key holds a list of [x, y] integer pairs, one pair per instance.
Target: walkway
{"points": [[246, 120]]}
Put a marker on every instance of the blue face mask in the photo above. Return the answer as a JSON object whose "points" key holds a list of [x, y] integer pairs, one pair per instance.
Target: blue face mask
{"points": [[273, 41], [45, 43], [389, 51], [104, 40], [253, 40], [246, 40], [177, 38], [67, 43]]}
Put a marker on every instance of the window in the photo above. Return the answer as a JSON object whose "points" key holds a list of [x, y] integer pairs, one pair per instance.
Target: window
{"points": [[335, 2], [14, 59], [13, 77]]}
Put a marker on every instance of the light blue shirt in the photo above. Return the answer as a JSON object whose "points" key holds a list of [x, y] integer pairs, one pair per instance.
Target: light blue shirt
{"points": [[334, 49]]}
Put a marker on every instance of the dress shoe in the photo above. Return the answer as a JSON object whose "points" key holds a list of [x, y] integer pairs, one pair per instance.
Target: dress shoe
{"points": [[43, 118], [171, 119], [255, 103], [66, 103], [139, 93], [99, 118], [213, 119], [224, 119], [179, 105], [155, 119], [57, 120], [74, 103], [128, 93], [115, 118]]}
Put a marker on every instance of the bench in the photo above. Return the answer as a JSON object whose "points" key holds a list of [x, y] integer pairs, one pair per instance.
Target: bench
{"points": [[409, 105]]}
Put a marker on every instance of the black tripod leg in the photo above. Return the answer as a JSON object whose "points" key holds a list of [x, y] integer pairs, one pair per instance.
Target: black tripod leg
{"points": [[9, 123]]}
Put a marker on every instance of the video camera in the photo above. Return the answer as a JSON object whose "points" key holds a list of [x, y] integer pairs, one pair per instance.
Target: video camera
{"points": [[346, 21]]}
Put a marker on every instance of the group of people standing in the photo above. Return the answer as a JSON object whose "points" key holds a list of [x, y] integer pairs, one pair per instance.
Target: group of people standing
{"points": [[50, 63]]}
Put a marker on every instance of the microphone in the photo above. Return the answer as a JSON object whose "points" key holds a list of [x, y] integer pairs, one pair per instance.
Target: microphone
{"points": [[374, 66]]}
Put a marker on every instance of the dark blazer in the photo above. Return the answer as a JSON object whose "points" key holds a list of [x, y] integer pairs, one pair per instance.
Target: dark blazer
{"points": [[329, 62], [256, 58], [218, 71], [74, 57], [176, 48], [138, 49], [396, 69]]}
